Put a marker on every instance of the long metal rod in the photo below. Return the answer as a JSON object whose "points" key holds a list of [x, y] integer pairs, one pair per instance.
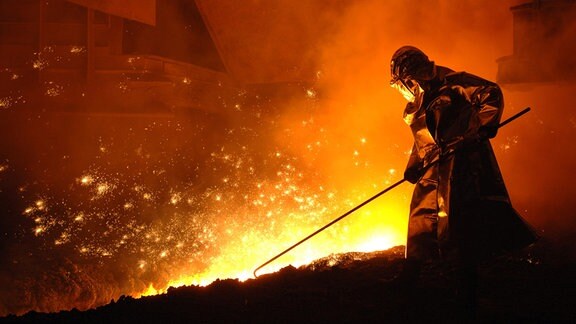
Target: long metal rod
{"points": [[331, 223], [363, 204], [522, 112]]}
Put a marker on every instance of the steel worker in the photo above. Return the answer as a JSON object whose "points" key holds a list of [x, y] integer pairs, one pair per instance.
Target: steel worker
{"points": [[460, 209]]}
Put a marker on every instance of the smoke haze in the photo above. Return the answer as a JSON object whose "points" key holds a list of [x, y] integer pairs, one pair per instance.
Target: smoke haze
{"points": [[97, 206]]}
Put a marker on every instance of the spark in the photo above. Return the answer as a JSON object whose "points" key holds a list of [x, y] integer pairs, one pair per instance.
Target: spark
{"points": [[77, 49], [64, 238], [510, 142], [40, 64], [38, 230], [53, 89], [132, 60], [86, 180], [6, 102], [245, 199], [310, 93], [40, 204], [175, 198], [102, 188], [123, 86]]}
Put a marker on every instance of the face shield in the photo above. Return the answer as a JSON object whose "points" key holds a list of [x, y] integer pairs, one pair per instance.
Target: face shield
{"points": [[408, 88]]}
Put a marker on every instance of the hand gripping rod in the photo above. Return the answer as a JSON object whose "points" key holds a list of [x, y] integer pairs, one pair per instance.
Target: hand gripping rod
{"points": [[525, 110]]}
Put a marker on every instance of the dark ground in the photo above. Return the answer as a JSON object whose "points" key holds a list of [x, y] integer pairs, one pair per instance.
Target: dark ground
{"points": [[536, 285]]}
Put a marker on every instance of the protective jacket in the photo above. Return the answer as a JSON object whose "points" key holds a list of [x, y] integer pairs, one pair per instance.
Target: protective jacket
{"points": [[460, 205]]}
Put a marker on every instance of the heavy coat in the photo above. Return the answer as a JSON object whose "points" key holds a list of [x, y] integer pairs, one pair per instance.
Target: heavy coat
{"points": [[460, 206]]}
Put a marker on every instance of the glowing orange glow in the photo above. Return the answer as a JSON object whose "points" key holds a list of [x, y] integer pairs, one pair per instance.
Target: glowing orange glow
{"points": [[375, 227], [212, 189], [324, 159]]}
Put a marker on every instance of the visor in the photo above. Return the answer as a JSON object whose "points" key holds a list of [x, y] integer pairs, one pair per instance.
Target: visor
{"points": [[408, 88]]}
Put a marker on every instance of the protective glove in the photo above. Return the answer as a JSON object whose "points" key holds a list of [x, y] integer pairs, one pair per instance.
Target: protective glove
{"points": [[414, 173], [465, 141]]}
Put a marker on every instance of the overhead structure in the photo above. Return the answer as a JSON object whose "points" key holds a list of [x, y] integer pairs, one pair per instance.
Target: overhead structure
{"points": [[143, 11], [270, 41], [110, 55], [176, 53], [544, 40]]}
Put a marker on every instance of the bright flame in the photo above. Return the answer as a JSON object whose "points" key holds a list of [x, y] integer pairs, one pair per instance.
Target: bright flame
{"points": [[373, 228]]}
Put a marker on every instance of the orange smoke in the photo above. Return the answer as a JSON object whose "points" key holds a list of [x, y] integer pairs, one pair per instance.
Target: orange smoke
{"points": [[347, 126], [136, 205]]}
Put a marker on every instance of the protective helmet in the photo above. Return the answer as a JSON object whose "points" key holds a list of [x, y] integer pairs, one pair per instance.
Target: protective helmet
{"points": [[408, 66], [408, 62]]}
